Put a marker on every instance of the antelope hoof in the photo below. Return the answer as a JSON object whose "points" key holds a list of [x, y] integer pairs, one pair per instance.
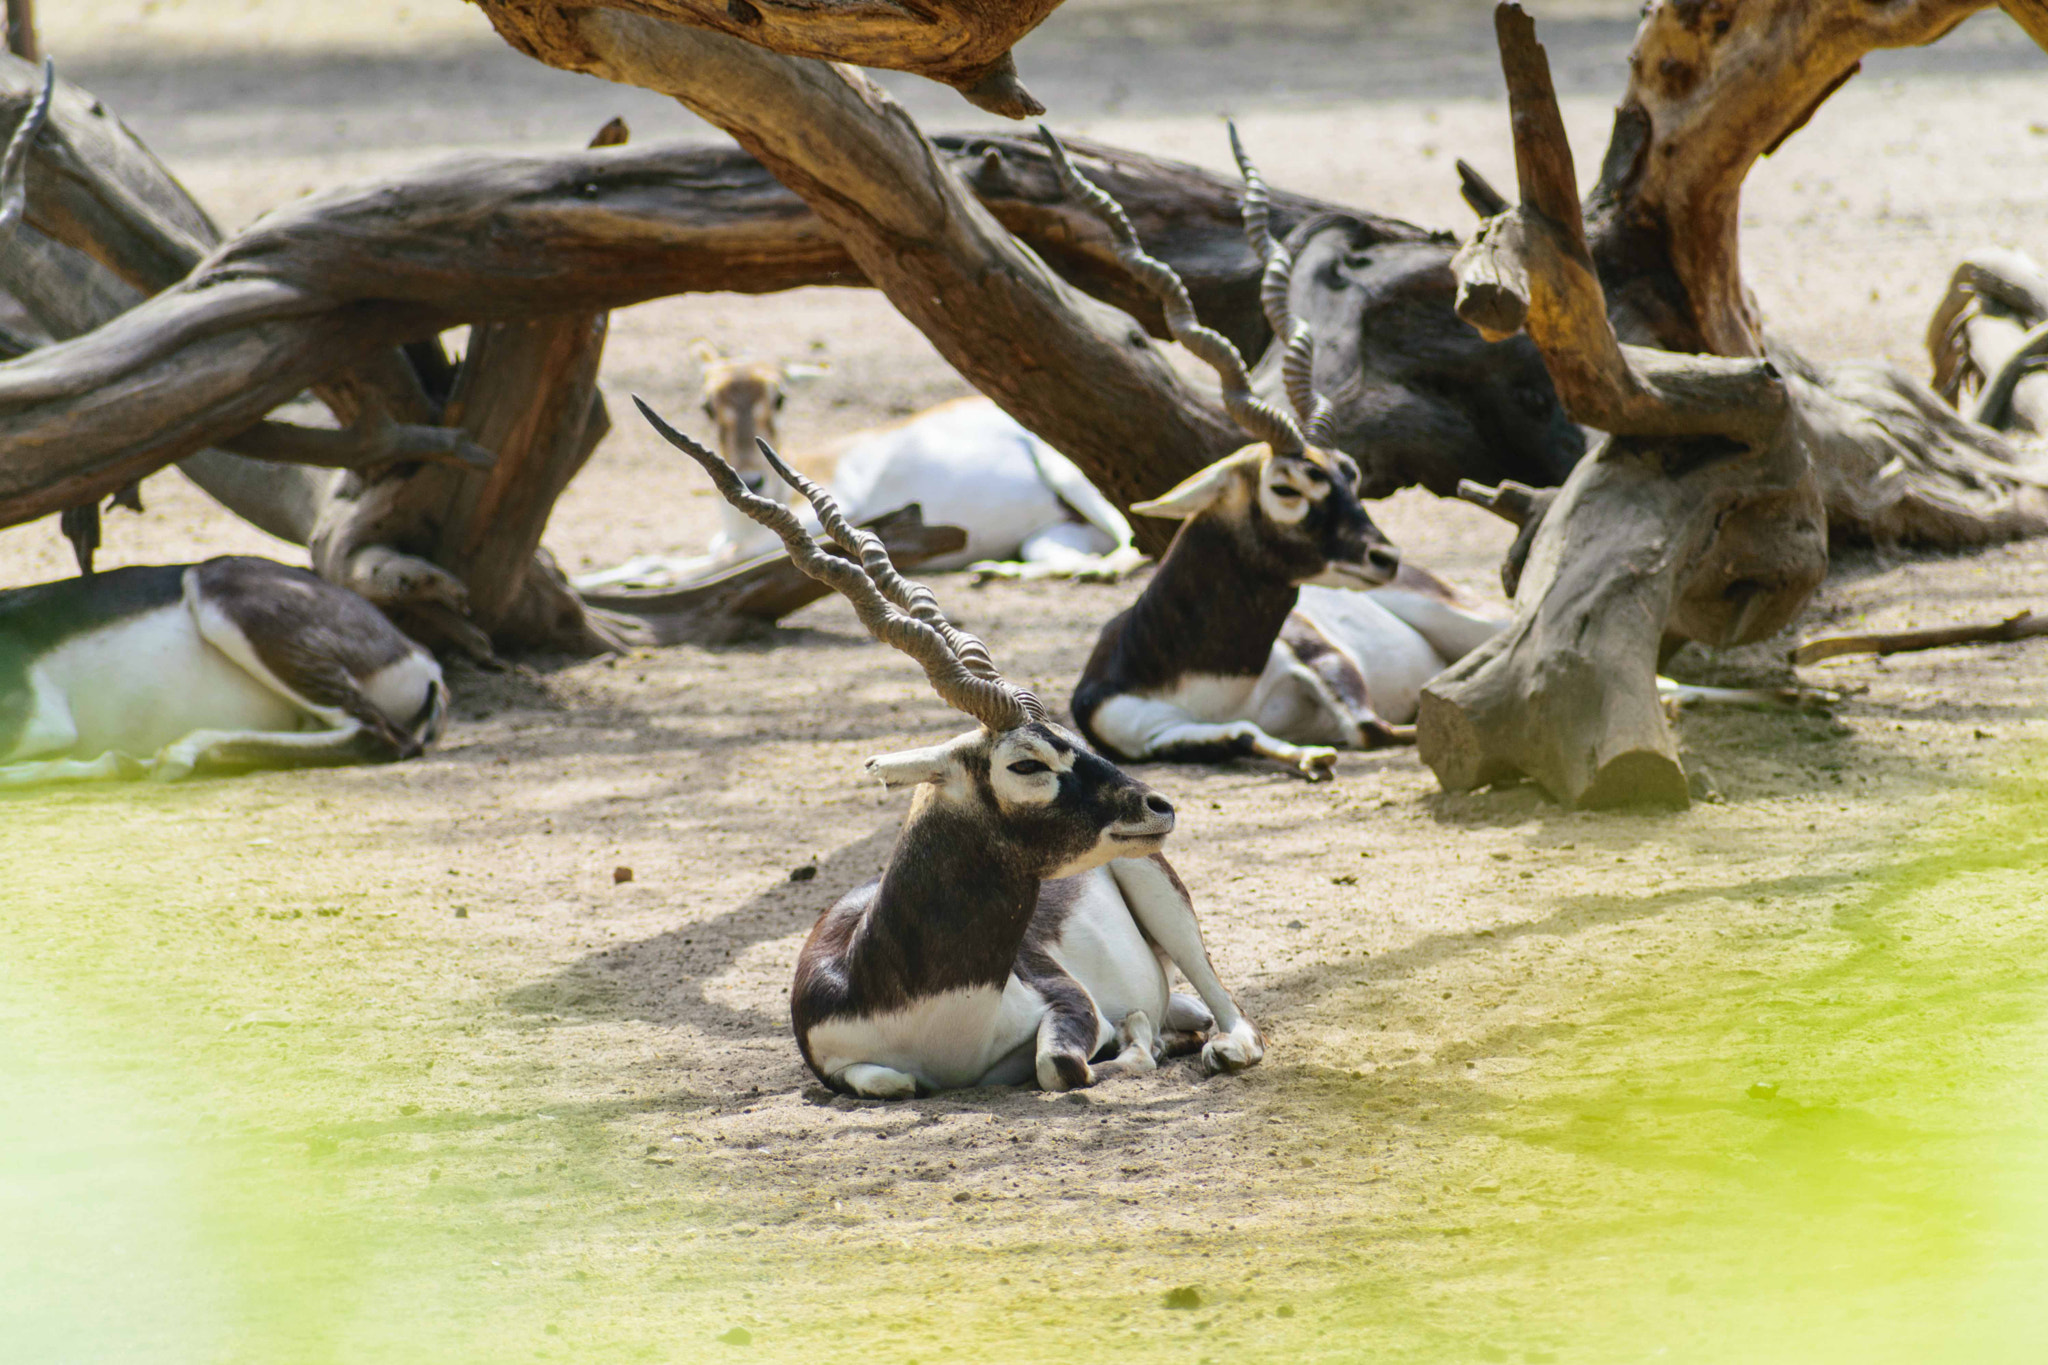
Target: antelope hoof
{"points": [[1064, 1071], [877, 1082], [1315, 764], [1234, 1051]]}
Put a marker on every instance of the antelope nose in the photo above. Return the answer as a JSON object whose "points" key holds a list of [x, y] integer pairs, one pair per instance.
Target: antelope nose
{"points": [[1384, 558], [1158, 804]]}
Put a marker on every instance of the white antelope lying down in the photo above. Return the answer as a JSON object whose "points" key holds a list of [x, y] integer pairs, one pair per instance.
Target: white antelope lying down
{"points": [[1026, 921], [234, 663], [1027, 511]]}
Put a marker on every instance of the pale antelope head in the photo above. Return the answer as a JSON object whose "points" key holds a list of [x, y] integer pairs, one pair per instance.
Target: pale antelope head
{"points": [[1027, 792], [742, 400], [1288, 499]]}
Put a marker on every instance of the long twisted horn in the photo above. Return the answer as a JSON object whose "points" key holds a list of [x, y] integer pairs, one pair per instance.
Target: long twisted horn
{"points": [[1260, 419], [907, 593], [1298, 359], [984, 696], [14, 163]]}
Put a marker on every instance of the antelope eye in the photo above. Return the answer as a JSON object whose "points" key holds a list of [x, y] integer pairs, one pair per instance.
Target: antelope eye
{"points": [[1027, 767], [1281, 490], [710, 411], [780, 399]]}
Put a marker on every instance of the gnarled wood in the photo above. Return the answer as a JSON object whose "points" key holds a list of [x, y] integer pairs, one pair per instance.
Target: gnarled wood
{"points": [[1698, 517], [1701, 517], [1712, 87], [962, 43], [1080, 374]]}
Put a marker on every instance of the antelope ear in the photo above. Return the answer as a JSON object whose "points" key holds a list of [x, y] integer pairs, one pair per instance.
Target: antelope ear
{"points": [[1201, 490], [912, 766]]}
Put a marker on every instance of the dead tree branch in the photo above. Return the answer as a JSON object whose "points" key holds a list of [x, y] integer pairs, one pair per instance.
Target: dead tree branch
{"points": [[2024, 626], [1077, 372], [1697, 517], [962, 43]]}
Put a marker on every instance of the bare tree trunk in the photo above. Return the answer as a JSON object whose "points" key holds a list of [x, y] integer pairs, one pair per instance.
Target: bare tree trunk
{"points": [[1698, 517], [1701, 517], [450, 553], [1712, 88]]}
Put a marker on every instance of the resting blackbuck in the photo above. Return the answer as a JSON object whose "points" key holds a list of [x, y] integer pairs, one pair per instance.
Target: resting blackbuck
{"points": [[1027, 510], [1026, 922], [1281, 623], [234, 663]]}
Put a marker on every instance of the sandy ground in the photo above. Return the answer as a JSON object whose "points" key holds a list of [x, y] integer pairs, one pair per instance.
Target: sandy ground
{"points": [[383, 1064]]}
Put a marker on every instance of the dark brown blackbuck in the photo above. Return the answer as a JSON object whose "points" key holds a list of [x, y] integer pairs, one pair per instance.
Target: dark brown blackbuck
{"points": [[1281, 623], [236, 663], [1026, 922]]}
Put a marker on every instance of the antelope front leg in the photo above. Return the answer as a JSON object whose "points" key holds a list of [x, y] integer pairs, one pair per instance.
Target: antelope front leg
{"points": [[1137, 1048], [1150, 730], [1166, 913], [237, 749]]}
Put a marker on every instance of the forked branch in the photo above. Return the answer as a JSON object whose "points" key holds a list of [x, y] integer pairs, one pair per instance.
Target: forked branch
{"points": [[1529, 269]]}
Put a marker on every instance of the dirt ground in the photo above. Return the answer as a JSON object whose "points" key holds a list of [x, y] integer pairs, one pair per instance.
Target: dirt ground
{"points": [[382, 1064]]}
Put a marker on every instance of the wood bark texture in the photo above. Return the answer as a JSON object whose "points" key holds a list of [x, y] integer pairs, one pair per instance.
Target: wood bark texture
{"points": [[962, 43], [129, 228], [1705, 514], [1698, 516], [338, 279], [1081, 374], [1713, 85]]}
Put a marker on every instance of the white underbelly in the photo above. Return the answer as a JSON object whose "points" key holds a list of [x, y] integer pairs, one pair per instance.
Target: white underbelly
{"points": [[964, 467], [1101, 947], [1395, 659], [151, 680], [946, 1041]]}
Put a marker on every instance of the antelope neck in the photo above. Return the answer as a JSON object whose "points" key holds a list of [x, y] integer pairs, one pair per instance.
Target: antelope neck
{"points": [[952, 908], [1214, 606]]}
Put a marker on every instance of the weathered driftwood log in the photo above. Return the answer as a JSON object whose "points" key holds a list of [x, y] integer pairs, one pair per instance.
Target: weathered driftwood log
{"points": [[451, 553], [1989, 344], [1713, 87], [1698, 517], [422, 482], [1420, 397], [1081, 374], [963, 43], [104, 226], [747, 597]]}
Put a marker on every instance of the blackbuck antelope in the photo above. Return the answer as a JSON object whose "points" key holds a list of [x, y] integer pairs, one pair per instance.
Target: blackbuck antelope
{"points": [[1238, 646], [234, 663], [1027, 510], [1026, 921]]}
